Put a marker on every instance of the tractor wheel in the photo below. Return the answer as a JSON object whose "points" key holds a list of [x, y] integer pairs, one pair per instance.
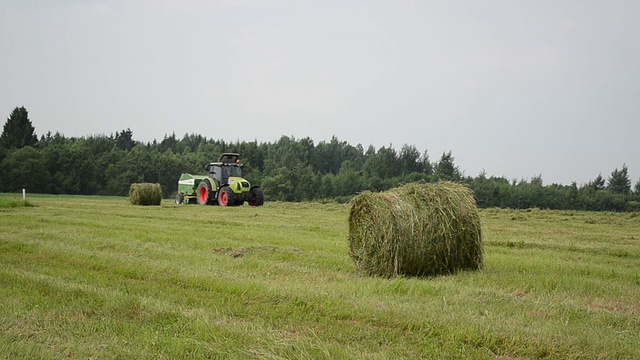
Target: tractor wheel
{"points": [[203, 193], [256, 197], [225, 196], [179, 199]]}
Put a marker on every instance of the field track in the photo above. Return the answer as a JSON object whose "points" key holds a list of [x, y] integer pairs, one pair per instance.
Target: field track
{"points": [[96, 277]]}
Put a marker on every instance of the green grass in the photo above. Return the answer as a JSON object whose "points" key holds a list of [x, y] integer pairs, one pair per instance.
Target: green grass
{"points": [[6, 202], [92, 277]]}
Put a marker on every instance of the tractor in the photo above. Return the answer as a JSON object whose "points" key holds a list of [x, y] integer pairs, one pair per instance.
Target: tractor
{"points": [[223, 185]]}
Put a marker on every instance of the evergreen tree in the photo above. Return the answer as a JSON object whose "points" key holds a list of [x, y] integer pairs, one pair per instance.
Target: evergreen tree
{"points": [[597, 184], [619, 182], [410, 159], [18, 131], [124, 140], [168, 143], [427, 168], [382, 167], [445, 168]]}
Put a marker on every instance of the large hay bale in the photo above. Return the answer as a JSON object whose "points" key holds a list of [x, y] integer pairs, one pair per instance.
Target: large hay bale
{"points": [[415, 230], [145, 194]]}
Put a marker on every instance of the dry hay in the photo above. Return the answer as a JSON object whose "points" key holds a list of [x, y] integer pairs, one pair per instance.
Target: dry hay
{"points": [[145, 194], [415, 230]]}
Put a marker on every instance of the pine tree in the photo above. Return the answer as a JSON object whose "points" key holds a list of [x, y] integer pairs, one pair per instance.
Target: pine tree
{"points": [[619, 182], [445, 169], [18, 131]]}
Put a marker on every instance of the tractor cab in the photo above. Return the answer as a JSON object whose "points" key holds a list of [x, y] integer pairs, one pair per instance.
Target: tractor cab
{"points": [[227, 166]]}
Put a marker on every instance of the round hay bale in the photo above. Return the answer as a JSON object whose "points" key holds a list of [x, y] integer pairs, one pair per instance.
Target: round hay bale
{"points": [[415, 230], [145, 194]]}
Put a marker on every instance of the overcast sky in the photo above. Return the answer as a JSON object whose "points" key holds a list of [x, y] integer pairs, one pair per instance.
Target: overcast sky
{"points": [[517, 88]]}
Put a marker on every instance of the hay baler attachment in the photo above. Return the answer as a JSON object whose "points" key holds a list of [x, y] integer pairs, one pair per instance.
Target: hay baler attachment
{"points": [[187, 188]]}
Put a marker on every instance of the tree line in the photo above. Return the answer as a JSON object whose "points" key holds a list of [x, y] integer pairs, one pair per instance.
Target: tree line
{"points": [[288, 169]]}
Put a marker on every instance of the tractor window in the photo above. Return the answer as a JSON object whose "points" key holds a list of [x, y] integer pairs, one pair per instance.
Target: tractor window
{"points": [[235, 171]]}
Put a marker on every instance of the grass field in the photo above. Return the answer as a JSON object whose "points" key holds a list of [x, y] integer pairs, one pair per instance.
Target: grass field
{"points": [[92, 277]]}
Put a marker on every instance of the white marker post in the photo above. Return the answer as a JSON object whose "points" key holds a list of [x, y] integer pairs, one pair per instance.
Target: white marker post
{"points": [[24, 194]]}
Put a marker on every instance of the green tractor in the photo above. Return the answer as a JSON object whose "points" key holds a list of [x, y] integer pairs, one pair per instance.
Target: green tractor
{"points": [[223, 185]]}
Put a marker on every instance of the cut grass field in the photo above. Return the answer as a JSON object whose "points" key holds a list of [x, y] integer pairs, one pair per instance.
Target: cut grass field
{"points": [[92, 277]]}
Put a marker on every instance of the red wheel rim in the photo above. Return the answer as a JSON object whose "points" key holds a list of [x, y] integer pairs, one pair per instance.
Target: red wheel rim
{"points": [[223, 198], [203, 195]]}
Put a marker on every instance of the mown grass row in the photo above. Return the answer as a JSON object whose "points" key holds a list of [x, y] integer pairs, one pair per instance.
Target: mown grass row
{"points": [[90, 277]]}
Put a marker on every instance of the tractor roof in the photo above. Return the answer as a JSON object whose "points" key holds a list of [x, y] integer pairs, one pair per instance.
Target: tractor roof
{"points": [[229, 158], [226, 159]]}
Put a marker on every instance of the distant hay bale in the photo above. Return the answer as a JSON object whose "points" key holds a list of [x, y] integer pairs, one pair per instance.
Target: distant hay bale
{"points": [[415, 230], [145, 194]]}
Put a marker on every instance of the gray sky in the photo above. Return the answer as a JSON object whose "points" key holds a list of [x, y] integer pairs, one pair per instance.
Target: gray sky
{"points": [[517, 88]]}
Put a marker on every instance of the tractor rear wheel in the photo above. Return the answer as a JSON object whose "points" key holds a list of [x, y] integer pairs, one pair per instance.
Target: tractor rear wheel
{"points": [[256, 197], [204, 193], [225, 196]]}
